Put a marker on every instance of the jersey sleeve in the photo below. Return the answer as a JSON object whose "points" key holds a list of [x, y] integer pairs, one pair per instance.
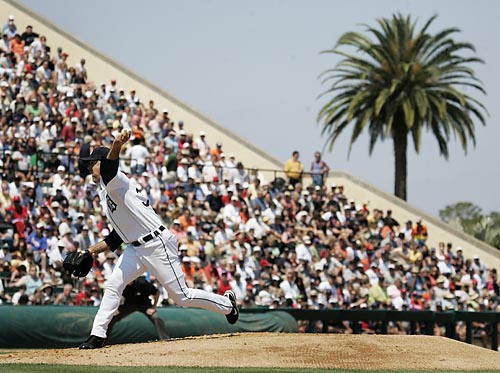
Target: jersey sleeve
{"points": [[113, 240], [109, 169]]}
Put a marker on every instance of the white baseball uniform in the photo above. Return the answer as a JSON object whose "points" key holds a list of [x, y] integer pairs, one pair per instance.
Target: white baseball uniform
{"points": [[151, 247]]}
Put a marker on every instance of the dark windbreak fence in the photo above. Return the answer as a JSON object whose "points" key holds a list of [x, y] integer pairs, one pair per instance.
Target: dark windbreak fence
{"points": [[421, 322]]}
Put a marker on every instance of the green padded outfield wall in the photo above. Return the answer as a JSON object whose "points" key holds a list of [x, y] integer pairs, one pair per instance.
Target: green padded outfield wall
{"points": [[62, 326]]}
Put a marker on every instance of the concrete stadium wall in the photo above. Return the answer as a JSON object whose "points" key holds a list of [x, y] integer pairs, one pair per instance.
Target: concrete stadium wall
{"points": [[439, 231], [102, 69]]}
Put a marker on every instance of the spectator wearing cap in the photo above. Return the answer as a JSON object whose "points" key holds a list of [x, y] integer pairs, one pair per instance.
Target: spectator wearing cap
{"points": [[19, 216], [56, 253], [202, 145], [231, 212], [257, 224], [108, 264], [176, 229], [216, 152], [66, 234], [37, 244], [172, 140], [440, 288], [48, 296], [58, 194], [419, 231], [9, 28], [303, 250], [182, 170], [84, 297], [223, 283], [84, 239], [182, 140], [477, 265], [137, 154], [213, 202], [111, 90]]}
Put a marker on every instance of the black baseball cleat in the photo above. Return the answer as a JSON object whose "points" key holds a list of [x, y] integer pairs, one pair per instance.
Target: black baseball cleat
{"points": [[232, 317], [93, 342]]}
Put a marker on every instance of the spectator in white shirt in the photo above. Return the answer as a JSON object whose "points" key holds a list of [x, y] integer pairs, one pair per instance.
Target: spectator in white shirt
{"points": [[303, 250], [260, 228], [231, 213], [289, 287]]}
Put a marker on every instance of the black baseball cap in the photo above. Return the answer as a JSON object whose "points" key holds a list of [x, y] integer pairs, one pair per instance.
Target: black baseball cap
{"points": [[97, 154]]}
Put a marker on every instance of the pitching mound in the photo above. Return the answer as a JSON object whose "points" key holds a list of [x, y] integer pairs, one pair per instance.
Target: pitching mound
{"points": [[279, 350]]}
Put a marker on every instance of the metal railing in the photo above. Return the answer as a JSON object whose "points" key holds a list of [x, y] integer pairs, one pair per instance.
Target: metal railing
{"points": [[72, 159]]}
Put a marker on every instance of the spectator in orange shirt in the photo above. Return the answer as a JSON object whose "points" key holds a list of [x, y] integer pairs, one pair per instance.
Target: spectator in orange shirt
{"points": [[419, 232], [17, 45], [188, 270], [186, 220], [216, 152]]}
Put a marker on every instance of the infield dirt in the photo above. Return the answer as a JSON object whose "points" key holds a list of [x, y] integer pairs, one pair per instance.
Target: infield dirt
{"points": [[279, 350]]}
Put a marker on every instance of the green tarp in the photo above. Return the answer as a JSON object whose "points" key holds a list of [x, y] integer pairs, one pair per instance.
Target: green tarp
{"points": [[62, 326]]}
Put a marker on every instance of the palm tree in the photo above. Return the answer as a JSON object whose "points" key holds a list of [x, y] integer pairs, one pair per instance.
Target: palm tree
{"points": [[399, 84]]}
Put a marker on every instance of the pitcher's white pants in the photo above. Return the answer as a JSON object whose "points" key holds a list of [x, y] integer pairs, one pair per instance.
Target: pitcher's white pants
{"points": [[160, 256]]}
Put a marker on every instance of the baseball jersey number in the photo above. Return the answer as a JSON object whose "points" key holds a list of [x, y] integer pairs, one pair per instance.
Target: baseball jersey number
{"points": [[141, 197]]}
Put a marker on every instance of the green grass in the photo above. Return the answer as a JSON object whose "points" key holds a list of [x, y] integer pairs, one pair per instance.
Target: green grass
{"points": [[27, 368]]}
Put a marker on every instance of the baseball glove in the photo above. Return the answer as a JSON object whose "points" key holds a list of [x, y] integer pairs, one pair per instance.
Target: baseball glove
{"points": [[78, 263]]}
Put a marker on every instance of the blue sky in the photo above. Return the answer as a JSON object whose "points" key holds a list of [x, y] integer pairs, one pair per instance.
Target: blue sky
{"points": [[254, 66]]}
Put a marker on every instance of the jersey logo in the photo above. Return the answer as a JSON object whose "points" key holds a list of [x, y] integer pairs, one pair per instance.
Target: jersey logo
{"points": [[111, 204]]}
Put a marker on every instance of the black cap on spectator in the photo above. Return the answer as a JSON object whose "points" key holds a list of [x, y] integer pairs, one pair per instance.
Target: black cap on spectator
{"points": [[97, 154]]}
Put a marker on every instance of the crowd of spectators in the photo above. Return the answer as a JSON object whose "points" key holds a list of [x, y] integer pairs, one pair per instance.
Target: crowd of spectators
{"points": [[275, 243]]}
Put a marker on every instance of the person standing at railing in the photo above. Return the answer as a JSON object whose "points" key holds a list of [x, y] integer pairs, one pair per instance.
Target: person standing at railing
{"points": [[294, 169], [319, 170]]}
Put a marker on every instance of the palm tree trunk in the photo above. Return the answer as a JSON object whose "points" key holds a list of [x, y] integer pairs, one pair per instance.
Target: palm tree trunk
{"points": [[400, 138]]}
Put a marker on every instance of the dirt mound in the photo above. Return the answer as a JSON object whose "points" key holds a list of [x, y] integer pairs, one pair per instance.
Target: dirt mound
{"points": [[279, 350]]}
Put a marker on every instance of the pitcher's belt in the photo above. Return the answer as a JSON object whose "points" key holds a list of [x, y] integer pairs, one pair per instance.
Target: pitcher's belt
{"points": [[142, 240]]}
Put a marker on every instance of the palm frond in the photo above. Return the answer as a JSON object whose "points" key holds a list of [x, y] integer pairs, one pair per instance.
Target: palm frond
{"points": [[396, 80]]}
